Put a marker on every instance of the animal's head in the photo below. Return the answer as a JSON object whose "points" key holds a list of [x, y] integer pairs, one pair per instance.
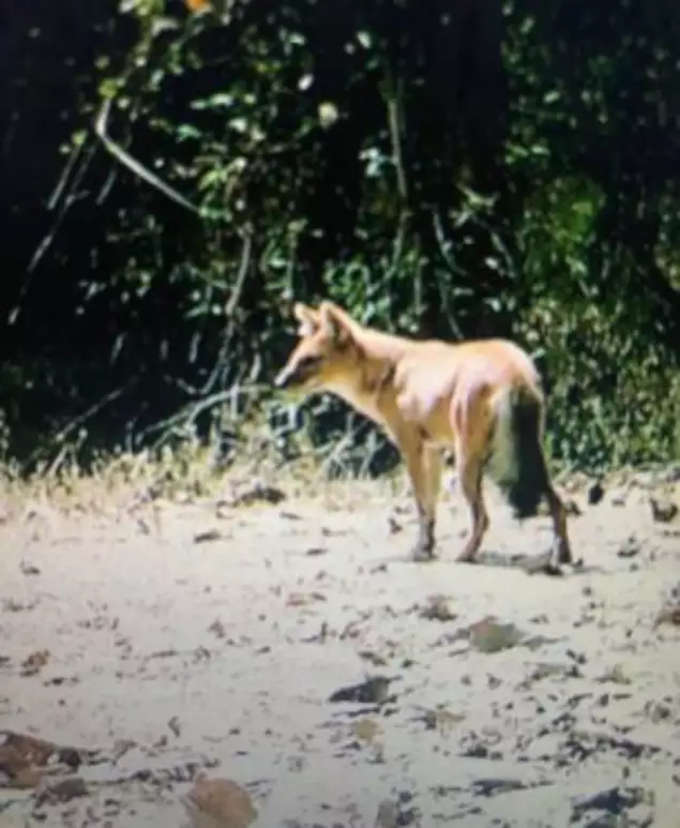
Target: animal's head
{"points": [[325, 352]]}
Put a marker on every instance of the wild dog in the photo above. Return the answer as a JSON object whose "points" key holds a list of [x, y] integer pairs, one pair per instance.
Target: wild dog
{"points": [[481, 398]]}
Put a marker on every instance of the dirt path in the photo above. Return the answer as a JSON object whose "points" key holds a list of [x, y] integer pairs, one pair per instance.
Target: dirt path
{"points": [[179, 639]]}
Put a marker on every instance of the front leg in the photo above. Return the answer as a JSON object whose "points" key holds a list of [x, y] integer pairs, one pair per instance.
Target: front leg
{"points": [[424, 468], [424, 546]]}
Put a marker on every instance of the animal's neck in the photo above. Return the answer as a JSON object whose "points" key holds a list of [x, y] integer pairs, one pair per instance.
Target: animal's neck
{"points": [[364, 389], [377, 345]]}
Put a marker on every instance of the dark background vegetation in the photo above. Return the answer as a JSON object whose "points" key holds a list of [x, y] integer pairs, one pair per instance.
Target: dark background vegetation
{"points": [[455, 168]]}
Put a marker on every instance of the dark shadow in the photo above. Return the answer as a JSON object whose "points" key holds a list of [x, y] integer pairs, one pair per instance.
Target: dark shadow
{"points": [[534, 564]]}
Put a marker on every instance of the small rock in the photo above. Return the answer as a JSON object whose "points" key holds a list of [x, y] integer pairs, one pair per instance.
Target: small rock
{"points": [[207, 536], [489, 636], [218, 628], [121, 747], [258, 492], [333, 533], [34, 662], [23, 750], [490, 787], [440, 719], [438, 609], [290, 516], [372, 691], [388, 815], [143, 526], [670, 614], [173, 724], [23, 778], [22, 757], [318, 638], [12, 605], [663, 511], [595, 493], [613, 800], [579, 658], [303, 599], [394, 525], [28, 568], [374, 658], [657, 711], [629, 548], [572, 508], [366, 729], [615, 676], [219, 803], [65, 790], [478, 750]]}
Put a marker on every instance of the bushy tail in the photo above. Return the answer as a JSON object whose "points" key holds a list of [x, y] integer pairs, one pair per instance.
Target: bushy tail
{"points": [[517, 463]]}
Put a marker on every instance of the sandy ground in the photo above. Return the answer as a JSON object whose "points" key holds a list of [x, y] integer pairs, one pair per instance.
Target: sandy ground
{"points": [[178, 639]]}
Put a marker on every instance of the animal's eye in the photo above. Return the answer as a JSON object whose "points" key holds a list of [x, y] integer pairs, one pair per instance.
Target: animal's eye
{"points": [[309, 361]]}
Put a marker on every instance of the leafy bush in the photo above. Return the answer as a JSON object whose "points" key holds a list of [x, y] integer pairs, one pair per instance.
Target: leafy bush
{"points": [[479, 174]]}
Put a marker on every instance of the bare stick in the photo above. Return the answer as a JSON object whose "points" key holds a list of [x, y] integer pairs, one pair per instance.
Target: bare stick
{"points": [[234, 299], [395, 137], [394, 124], [61, 435], [91, 411], [124, 157], [49, 237], [246, 234], [64, 177]]}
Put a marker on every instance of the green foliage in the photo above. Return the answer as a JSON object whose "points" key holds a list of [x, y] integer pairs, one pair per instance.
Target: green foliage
{"points": [[446, 175]]}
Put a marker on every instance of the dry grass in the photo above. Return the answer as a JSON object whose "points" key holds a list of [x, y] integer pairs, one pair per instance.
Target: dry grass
{"points": [[185, 472], [123, 482]]}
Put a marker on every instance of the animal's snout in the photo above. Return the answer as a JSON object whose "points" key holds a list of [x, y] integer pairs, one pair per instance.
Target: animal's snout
{"points": [[283, 378]]}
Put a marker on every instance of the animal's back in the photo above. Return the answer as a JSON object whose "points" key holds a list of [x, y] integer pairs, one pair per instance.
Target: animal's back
{"points": [[496, 361], [434, 368], [442, 385]]}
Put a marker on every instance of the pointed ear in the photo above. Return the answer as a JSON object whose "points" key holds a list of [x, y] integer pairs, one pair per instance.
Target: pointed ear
{"points": [[307, 317], [334, 324]]}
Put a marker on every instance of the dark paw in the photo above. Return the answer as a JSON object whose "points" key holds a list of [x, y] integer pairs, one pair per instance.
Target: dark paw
{"points": [[421, 554], [467, 557], [563, 553]]}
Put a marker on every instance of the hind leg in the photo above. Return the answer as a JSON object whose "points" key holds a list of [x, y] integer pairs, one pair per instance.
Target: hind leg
{"points": [[562, 549], [470, 480], [473, 424]]}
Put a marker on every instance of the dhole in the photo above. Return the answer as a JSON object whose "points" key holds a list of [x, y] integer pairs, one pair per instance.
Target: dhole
{"points": [[482, 398]]}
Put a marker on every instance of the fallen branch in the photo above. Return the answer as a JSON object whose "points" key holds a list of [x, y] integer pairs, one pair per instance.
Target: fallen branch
{"points": [[230, 308], [235, 298], [187, 414], [92, 410], [127, 160], [66, 203], [78, 421]]}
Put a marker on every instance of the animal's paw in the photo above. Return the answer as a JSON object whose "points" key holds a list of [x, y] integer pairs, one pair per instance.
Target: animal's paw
{"points": [[466, 557], [421, 554], [561, 552]]}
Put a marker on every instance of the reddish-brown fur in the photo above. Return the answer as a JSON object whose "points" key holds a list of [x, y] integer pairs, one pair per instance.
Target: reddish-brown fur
{"points": [[481, 398]]}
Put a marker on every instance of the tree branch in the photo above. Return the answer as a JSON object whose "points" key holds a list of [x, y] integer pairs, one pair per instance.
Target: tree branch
{"points": [[127, 160]]}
